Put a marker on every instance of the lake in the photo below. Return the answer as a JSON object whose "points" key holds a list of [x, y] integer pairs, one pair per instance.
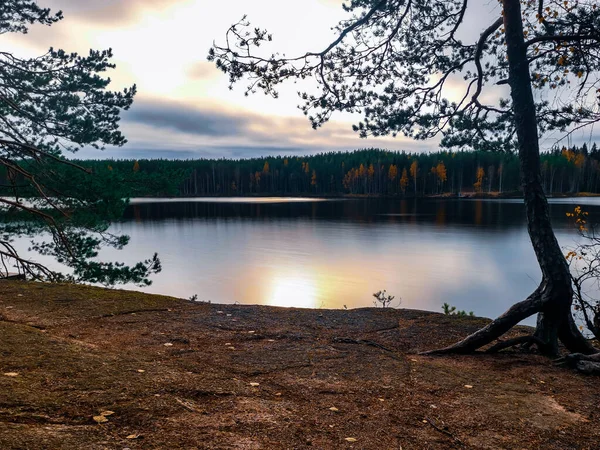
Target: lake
{"points": [[474, 254]]}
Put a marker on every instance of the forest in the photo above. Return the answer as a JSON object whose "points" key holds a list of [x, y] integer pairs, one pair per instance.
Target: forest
{"points": [[362, 172], [370, 172]]}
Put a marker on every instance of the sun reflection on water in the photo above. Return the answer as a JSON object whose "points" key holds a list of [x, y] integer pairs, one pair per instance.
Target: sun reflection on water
{"points": [[293, 290]]}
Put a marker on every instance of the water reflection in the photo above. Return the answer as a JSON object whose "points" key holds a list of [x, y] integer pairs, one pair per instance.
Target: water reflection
{"points": [[474, 254], [294, 290], [489, 215]]}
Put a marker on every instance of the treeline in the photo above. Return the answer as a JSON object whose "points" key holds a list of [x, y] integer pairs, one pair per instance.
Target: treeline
{"points": [[368, 172], [361, 172]]}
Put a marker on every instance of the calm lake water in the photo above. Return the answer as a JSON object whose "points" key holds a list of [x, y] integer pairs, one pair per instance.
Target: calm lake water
{"points": [[474, 254]]}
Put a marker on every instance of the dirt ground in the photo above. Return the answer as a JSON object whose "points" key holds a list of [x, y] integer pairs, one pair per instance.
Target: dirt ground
{"points": [[162, 373]]}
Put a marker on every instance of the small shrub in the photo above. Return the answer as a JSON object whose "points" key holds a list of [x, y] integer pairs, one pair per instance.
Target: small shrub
{"points": [[450, 310], [384, 299]]}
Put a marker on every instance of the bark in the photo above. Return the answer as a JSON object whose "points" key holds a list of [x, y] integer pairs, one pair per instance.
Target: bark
{"points": [[552, 299]]}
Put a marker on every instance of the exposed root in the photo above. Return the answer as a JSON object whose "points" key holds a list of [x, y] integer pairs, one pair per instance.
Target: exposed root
{"points": [[345, 340], [443, 431], [496, 328], [570, 335], [587, 364], [542, 297], [381, 330], [530, 340]]}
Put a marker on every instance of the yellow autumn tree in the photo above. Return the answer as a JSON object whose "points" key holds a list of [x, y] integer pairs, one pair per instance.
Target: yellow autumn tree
{"points": [[136, 167], [362, 171], [569, 155], [414, 171], [371, 171], [313, 179], [440, 171], [266, 168], [404, 180], [479, 183], [392, 172]]}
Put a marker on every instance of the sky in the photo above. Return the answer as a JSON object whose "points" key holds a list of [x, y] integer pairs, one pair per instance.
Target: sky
{"points": [[184, 108]]}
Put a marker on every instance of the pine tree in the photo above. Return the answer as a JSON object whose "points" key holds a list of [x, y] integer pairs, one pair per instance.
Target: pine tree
{"points": [[54, 103], [381, 64]]}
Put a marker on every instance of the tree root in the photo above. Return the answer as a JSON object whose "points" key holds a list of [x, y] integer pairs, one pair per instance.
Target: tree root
{"points": [[345, 340], [570, 335], [443, 431], [586, 364], [496, 328], [514, 342], [542, 298]]}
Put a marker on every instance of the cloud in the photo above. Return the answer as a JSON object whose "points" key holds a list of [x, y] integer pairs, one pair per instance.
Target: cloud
{"points": [[187, 119], [210, 129], [108, 12], [209, 152], [203, 70]]}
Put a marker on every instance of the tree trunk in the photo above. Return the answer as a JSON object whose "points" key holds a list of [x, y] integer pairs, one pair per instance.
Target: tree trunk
{"points": [[552, 299], [556, 280]]}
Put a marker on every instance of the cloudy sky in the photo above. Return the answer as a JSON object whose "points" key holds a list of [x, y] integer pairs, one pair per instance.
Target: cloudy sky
{"points": [[184, 108]]}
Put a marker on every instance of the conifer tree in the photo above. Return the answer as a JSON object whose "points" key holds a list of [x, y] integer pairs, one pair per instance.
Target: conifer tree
{"points": [[52, 105], [391, 61]]}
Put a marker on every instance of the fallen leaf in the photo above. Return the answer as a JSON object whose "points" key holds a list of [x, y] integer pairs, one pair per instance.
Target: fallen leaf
{"points": [[414, 360], [219, 312], [168, 344], [100, 419], [231, 348], [543, 382], [424, 421], [107, 413], [468, 386], [134, 436], [141, 370], [254, 384], [381, 399], [433, 406], [350, 439], [251, 332], [278, 394], [11, 374], [334, 409], [270, 340]]}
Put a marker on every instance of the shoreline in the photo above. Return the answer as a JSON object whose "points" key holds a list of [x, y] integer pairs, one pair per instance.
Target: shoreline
{"points": [[464, 195]]}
